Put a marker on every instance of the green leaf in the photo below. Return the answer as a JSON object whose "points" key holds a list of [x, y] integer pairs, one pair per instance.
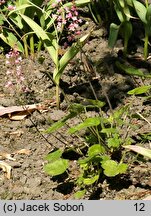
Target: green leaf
{"points": [[79, 194], [60, 123], [78, 3], [10, 39], [109, 130], [95, 150], [110, 168], [51, 157], [119, 12], [96, 103], [146, 136], [55, 126], [48, 42], [139, 90], [114, 142], [148, 14], [24, 6], [114, 31], [89, 122], [131, 70], [122, 168], [140, 10], [140, 150], [127, 30], [57, 167], [90, 181]]}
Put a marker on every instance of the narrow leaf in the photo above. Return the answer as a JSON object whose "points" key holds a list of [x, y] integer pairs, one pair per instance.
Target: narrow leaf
{"points": [[131, 70], [42, 34], [140, 150], [114, 31], [139, 90]]}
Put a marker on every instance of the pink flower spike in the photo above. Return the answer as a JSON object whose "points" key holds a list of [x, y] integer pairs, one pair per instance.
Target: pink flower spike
{"points": [[8, 72], [54, 5], [78, 33], [7, 62], [74, 18], [11, 7], [69, 15], [9, 84]]}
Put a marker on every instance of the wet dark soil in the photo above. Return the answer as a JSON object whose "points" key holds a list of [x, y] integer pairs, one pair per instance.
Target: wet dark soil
{"points": [[28, 179]]}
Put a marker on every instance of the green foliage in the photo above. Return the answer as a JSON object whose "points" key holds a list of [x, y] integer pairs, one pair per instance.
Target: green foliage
{"points": [[122, 9], [139, 90], [104, 140], [56, 165], [131, 70]]}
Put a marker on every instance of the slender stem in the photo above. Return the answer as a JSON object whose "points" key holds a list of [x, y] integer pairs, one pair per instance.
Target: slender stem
{"points": [[146, 44], [57, 97], [25, 46], [31, 39]]}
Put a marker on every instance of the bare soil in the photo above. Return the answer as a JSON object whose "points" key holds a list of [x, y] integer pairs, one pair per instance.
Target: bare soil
{"points": [[28, 179]]}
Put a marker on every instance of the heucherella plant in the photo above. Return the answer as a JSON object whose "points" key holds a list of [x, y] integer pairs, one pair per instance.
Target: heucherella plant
{"points": [[56, 27], [102, 150]]}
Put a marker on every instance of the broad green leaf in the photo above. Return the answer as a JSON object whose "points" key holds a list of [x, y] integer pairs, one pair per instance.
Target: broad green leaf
{"points": [[139, 90], [51, 157], [114, 142], [140, 10], [42, 34], [86, 160], [90, 181], [95, 150], [89, 122], [57, 167], [79, 194], [114, 31], [131, 70], [110, 168], [122, 168], [140, 150]]}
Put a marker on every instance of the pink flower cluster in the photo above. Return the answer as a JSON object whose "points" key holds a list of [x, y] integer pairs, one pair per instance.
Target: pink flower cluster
{"points": [[14, 75], [67, 20], [2, 2], [9, 7]]}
